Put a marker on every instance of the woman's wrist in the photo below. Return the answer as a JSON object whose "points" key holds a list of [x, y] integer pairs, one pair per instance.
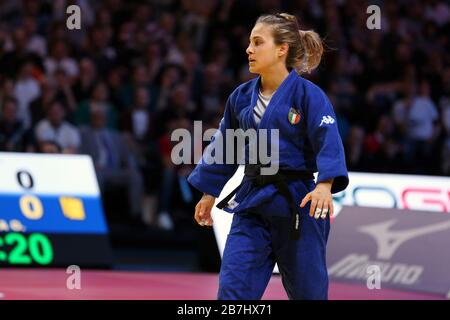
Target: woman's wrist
{"points": [[207, 195], [326, 184]]}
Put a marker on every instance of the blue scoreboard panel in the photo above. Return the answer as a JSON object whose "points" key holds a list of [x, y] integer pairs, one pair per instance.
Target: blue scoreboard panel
{"points": [[51, 212]]}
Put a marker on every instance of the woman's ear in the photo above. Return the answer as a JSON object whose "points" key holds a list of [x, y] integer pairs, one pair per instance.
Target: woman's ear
{"points": [[283, 49]]}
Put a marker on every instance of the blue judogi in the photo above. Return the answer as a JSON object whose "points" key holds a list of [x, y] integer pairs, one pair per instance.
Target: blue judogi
{"points": [[258, 237]]}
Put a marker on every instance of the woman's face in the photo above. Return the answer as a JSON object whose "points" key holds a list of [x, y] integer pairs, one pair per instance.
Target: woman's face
{"points": [[262, 52]]}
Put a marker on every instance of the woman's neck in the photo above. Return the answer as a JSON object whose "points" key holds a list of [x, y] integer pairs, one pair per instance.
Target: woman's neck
{"points": [[271, 81]]}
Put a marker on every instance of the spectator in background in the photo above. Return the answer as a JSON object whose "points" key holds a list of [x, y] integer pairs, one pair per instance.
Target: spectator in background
{"points": [[6, 89], [99, 99], [381, 151], [115, 84], [85, 83], [138, 126], [139, 79], [38, 106], [114, 164], [417, 115], [55, 129], [437, 12], [178, 113], [341, 117], [136, 120], [26, 89], [168, 78], [99, 49], [11, 128], [211, 89], [153, 60], [174, 188], [179, 106], [60, 59], [163, 32], [139, 131], [13, 58], [354, 148], [36, 42], [55, 88], [125, 43], [196, 21], [57, 31], [62, 83]]}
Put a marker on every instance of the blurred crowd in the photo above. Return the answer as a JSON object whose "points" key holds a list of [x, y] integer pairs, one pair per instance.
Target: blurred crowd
{"points": [[136, 70]]}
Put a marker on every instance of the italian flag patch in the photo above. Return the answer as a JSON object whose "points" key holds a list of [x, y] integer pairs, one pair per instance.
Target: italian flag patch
{"points": [[293, 116]]}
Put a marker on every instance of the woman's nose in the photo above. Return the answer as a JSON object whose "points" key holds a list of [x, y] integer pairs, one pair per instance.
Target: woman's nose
{"points": [[249, 49]]}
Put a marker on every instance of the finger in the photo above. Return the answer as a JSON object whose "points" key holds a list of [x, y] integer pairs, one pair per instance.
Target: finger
{"points": [[206, 215], [305, 200], [200, 216], [318, 210], [200, 221], [196, 216], [313, 207], [208, 219], [325, 210], [331, 208], [207, 211]]}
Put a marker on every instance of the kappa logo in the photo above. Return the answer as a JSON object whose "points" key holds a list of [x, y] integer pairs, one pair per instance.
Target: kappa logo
{"points": [[388, 240], [327, 120]]}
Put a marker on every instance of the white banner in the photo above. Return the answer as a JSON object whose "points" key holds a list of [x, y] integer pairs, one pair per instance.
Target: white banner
{"points": [[424, 193], [47, 174], [410, 192]]}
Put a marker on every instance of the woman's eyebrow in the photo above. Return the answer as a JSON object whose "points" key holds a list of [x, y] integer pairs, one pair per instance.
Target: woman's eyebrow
{"points": [[254, 37]]}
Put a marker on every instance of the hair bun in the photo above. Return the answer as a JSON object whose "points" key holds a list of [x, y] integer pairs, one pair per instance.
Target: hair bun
{"points": [[288, 16]]}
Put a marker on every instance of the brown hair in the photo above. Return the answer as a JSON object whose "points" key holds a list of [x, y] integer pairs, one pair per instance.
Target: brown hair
{"points": [[305, 46]]}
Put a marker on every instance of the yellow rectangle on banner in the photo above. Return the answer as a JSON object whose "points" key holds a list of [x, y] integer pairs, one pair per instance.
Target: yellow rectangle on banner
{"points": [[72, 208]]}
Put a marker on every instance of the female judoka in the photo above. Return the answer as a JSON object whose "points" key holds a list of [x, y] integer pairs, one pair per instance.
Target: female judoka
{"points": [[282, 218]]}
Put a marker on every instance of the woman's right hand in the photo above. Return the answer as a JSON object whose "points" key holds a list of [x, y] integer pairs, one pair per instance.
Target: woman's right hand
{"points": [[203, 210]]}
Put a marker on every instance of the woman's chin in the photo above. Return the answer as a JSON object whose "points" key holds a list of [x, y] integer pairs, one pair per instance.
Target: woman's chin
{"points": [[252, 69]]}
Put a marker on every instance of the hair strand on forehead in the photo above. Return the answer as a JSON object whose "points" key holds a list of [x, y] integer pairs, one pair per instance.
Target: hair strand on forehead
{"points": [[305, 46]]}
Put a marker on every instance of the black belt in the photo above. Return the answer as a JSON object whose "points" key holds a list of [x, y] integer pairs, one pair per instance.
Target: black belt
{"points": [[279, 180]]}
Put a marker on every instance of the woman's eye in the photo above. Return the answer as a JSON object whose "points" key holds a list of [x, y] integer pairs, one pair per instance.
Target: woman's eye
{"points": [[256, 42]]}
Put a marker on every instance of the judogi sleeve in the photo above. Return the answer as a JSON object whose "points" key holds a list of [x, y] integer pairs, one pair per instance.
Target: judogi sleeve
{"points": [[212, 172], [325, 140]]}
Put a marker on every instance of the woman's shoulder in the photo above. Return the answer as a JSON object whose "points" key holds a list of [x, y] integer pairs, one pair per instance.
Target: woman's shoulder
{"points": [[309, 90], [308, 86]]}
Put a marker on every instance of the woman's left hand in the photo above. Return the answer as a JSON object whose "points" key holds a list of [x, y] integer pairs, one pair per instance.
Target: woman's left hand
{"points": [[321, 200]]}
